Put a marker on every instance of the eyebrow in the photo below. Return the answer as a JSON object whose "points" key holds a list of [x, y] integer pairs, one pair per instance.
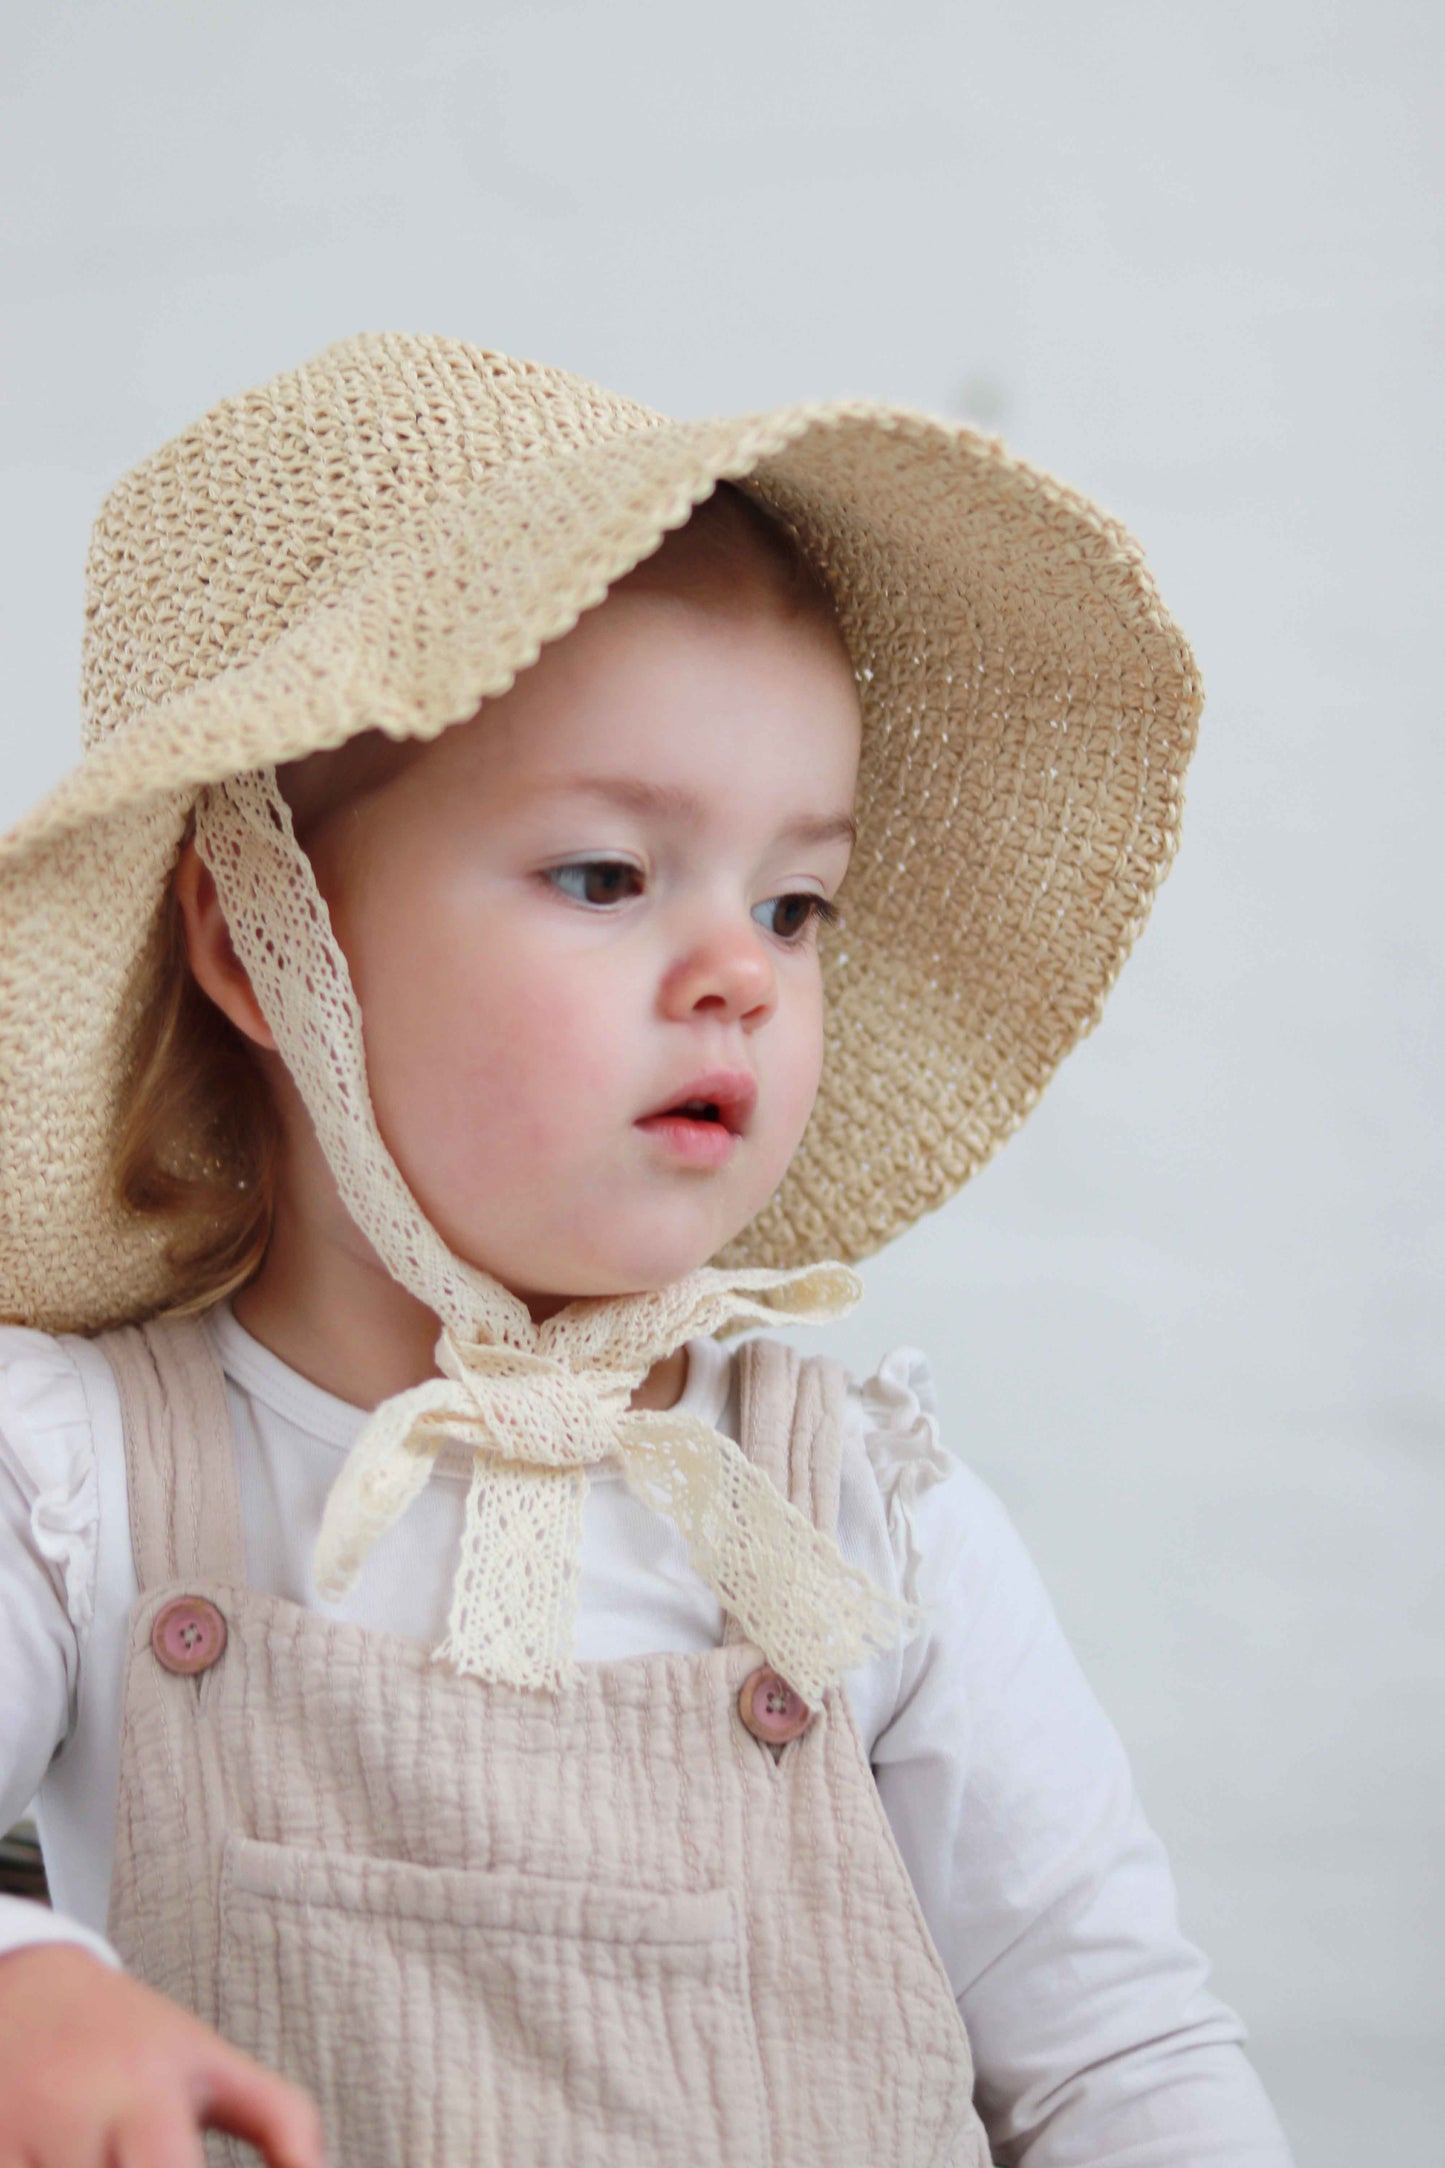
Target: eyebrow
{"points": [[636, 796]]}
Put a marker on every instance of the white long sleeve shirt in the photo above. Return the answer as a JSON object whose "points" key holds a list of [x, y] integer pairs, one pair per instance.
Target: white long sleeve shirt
{"points": [[1096, 2041]]}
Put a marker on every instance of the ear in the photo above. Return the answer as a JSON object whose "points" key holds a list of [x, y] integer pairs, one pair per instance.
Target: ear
{"points": [[218, 969]]}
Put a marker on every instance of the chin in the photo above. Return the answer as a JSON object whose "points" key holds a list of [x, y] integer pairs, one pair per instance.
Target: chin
{"points": [[641, 1271], [662, 1247]]}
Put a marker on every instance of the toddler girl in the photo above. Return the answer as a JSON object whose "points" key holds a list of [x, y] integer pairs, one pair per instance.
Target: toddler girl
{"points": [[474, 1712]]}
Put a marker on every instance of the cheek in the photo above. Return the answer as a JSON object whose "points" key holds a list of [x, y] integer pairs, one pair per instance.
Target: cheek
{"points": [[806, 1064], [469, 1034], [542, 1042], [788, 1056]]}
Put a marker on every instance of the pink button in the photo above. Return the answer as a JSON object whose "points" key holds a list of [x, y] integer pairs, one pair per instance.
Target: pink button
{"points": [[771, 1710], [188, 1635]]}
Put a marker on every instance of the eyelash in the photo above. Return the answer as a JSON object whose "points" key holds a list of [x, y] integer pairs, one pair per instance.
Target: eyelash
{"points": [[823, 911]]}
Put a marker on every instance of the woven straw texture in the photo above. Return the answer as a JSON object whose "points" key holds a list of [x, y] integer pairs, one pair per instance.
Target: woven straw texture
{"points": [[386, 536]]}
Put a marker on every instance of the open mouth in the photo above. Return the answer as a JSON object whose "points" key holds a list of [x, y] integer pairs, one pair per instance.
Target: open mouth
{"points": [[696, 1131], [723, 1100], [700, 1114]]}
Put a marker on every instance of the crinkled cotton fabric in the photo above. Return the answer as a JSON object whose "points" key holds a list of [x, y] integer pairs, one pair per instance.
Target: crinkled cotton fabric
{"points": [[1007, 1789]]}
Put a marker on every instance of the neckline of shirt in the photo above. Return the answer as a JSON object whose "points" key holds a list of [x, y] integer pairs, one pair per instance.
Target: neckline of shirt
{"points": [[251, 1365]]}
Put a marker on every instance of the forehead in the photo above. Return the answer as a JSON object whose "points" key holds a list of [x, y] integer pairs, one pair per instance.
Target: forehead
{"points": [[676, 803], [663, 686], [660, 701]]}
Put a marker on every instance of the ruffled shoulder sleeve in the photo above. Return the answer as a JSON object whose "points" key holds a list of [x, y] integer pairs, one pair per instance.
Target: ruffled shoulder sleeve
{"points": [[49, 1496], [899, 1411]]}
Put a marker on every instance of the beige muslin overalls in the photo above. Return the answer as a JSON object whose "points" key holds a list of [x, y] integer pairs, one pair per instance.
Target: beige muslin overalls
{"points": [[589, 1928]]}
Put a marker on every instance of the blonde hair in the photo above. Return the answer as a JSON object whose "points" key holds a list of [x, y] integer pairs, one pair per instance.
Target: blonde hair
{"points": [[197, 1141], [198, 1137]]}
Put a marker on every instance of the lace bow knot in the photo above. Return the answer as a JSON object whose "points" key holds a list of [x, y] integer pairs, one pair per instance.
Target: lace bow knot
{"points": [[572, 1422]]}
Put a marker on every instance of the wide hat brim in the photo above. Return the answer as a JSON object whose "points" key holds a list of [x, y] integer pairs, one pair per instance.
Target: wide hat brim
{"points": [[1029, 709]]}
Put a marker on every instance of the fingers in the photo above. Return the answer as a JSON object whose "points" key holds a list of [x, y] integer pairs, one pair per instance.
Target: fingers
{"points": [[281, 2121], [98, 2070]]}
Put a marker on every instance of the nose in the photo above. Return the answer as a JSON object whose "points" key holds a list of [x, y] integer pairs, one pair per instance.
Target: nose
{"points": [[722, 966]]}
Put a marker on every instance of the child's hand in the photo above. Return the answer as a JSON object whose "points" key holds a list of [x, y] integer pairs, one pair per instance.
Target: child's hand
{"points": [[99, 2071]]}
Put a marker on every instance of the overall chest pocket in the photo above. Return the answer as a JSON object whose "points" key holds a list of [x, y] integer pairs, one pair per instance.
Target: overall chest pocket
{"points": [[449, 2017]]}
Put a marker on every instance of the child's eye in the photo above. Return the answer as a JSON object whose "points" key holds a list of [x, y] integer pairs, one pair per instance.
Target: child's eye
{"points": [[603, 868], [598, 885], [817, 909]]}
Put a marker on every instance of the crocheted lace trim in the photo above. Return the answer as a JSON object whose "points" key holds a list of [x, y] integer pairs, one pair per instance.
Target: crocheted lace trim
{"points": [[537, 1403]]}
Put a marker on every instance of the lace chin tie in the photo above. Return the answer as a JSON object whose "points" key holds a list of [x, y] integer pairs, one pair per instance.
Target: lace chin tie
{"points": [[538, 1404]]}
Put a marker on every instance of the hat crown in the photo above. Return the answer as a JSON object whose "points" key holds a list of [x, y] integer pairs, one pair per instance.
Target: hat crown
{"points": [[271, 505]]}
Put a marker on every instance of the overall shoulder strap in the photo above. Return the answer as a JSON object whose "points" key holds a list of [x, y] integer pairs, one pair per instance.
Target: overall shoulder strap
{"points": [[791, 1419], [790, 1415], [180, 1456]]}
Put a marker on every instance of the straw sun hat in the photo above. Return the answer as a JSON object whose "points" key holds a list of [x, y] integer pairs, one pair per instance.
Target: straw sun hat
{"points": [[385, 536]]}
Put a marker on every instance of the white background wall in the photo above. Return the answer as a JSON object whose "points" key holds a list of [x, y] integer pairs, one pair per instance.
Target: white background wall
{"points": [[1189, 258]]}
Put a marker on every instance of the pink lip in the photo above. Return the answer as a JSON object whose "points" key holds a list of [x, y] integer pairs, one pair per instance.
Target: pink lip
{"points": [[701, 1144], [732, 1091]]}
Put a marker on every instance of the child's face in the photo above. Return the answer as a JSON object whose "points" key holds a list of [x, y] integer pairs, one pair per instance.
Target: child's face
{"points": [[521, 1019]]}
